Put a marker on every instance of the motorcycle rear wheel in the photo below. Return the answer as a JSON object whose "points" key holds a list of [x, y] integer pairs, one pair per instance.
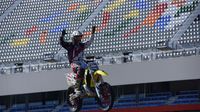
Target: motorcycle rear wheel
{"points": [[74, 105]]}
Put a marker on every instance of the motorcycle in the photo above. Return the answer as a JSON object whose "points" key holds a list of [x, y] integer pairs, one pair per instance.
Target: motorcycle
{"points": [[100, 90]]}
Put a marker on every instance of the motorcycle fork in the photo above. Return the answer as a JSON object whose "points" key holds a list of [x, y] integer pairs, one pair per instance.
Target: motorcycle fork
{"points": [[97, 85]]}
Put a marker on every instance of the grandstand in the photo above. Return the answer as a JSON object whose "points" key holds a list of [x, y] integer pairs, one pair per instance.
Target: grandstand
{"points": [[158, 36], [187, 100]]}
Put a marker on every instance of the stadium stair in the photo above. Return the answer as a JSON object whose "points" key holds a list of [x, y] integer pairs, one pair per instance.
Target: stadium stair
{"points": [[93, 15], [173, 42], [10, 9]]}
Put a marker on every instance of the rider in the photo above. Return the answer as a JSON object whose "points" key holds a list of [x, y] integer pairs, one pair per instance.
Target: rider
{"points": [[75, 55]]}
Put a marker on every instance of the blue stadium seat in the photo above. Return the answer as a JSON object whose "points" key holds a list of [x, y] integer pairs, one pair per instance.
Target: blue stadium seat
{"points": [[2, 108], [187, 97]]}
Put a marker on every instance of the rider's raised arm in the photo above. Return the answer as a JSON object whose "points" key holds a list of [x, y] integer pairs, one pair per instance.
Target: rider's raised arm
{"points": [[88, 43], [62, 42]]}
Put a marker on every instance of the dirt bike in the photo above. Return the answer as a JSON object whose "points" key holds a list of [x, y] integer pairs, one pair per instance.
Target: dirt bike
{"points": [[100, 90]]}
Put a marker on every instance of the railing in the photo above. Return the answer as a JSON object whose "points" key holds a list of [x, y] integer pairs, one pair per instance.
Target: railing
{"points": [[105, 60]]}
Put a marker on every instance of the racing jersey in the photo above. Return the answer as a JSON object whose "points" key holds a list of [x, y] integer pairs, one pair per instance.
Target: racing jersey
{"points": [[75, 51]]}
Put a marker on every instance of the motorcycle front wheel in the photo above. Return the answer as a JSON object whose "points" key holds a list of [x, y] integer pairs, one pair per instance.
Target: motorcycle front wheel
{"points": [[73, 104], [106, 99]]}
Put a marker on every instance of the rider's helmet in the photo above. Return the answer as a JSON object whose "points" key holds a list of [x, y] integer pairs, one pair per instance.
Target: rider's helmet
{"points": [[76, 36]]}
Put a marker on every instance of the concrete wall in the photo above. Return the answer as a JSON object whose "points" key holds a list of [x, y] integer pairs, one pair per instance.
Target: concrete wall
{"points": [[183, 68]]}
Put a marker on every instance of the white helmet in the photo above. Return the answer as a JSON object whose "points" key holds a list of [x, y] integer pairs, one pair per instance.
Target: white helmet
{"points": [[76, 33]]}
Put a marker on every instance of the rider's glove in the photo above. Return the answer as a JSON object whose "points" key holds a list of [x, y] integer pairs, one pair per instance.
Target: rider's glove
{"points": [[93, 29], [63, 32]]}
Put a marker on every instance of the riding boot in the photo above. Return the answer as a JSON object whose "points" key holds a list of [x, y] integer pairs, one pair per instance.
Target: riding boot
{"points": [[79, 82], [77, 90]]}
